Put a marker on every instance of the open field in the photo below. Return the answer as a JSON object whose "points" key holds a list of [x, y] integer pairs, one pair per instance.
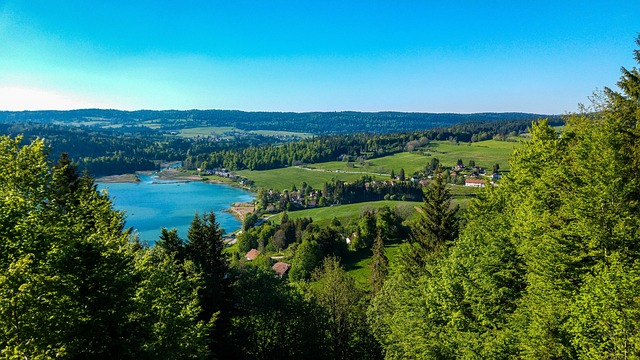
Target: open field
{"points": [[411, 162], [323, 216], [484, 153], [285, 178], [281, 133], [205, 131]]}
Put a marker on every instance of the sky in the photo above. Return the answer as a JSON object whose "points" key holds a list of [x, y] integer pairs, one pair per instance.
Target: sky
{"points": [[542, 57]]}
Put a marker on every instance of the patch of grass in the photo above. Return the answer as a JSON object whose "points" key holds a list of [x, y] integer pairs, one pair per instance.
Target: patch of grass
{"points": [[285, 178], [357, 263], [276, 133], [484, 153], [205, 131], [323, 215]]}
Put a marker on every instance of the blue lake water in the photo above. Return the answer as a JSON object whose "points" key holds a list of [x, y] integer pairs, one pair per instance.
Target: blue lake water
{"points": [[152, 204]]}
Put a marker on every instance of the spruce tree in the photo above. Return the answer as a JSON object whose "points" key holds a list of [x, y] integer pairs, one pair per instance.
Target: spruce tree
{"points": [[205, 249], [437, 226], [379, 265]]}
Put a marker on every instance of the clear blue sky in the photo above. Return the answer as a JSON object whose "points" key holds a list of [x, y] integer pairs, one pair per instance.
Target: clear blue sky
{"points": [[423, 56]]}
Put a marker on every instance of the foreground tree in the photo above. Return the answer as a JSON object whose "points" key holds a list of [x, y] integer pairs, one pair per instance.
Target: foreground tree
{"points": [[435, 229], [349, 333], [272, 319], [205, 249], [68, 272]]}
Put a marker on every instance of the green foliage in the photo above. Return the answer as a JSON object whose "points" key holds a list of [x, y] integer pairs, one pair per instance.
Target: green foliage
{"points": [[274, 320], [345, 304], [379, 265], [71, 283], [435, 228], [308, 256], [167, 299], [605, 316], [547, 265]]}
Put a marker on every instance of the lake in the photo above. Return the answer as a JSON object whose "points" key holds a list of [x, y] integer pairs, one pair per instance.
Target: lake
{"points": [[152, 204]]}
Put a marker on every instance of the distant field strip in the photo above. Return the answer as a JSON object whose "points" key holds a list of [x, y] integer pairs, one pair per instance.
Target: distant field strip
{"points": [[344, 213], [283, 179]]}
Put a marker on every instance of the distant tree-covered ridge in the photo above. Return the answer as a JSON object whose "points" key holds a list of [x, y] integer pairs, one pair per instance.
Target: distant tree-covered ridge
{"points": [[108, 145], [309, 122]]}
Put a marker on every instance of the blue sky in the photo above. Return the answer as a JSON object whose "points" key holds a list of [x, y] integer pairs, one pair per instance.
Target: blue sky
{"points": [[422, 56]]}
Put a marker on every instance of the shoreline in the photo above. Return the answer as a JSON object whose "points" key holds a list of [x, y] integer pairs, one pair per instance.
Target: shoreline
{"points": [[240, 209], [122, 178]]}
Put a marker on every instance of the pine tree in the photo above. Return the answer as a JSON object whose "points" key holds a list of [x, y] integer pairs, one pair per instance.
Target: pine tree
{"points": [[437, 226], [379, 265], [205, 249]]}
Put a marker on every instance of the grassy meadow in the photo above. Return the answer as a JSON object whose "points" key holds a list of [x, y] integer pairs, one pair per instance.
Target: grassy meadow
{"points": [[285, 178], [485, 154], [323, 215]]}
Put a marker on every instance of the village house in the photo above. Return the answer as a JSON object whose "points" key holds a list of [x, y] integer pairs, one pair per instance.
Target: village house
{"points": [[474, 182], [252, 254], [281, 268]]}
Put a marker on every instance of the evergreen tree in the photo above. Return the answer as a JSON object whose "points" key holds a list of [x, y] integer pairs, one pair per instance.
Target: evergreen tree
{"points": [[205, 249], [69, 275], [436, 228], [379, 265], [172, 244]]}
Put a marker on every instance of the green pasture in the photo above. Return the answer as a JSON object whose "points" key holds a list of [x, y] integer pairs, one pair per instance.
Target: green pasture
{"points": [[206, 131], [285, 178], [484, 153], [323, 215], [275, 133], [411, 162]]}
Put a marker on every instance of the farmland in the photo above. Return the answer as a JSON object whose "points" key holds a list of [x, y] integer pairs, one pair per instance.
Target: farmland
{"points": [[323, 216], [485, 154]]}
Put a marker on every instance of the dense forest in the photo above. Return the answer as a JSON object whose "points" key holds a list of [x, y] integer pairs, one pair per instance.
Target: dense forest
{"points": [[119, 150], [546, 265], [313, 122]]}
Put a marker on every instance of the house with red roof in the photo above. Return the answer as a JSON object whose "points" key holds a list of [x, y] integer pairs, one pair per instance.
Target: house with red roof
{"points": [[281, 268], [252, 254]]}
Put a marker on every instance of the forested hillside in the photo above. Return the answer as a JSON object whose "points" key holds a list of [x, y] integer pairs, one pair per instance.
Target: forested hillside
{"points": [[312, 122]]}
